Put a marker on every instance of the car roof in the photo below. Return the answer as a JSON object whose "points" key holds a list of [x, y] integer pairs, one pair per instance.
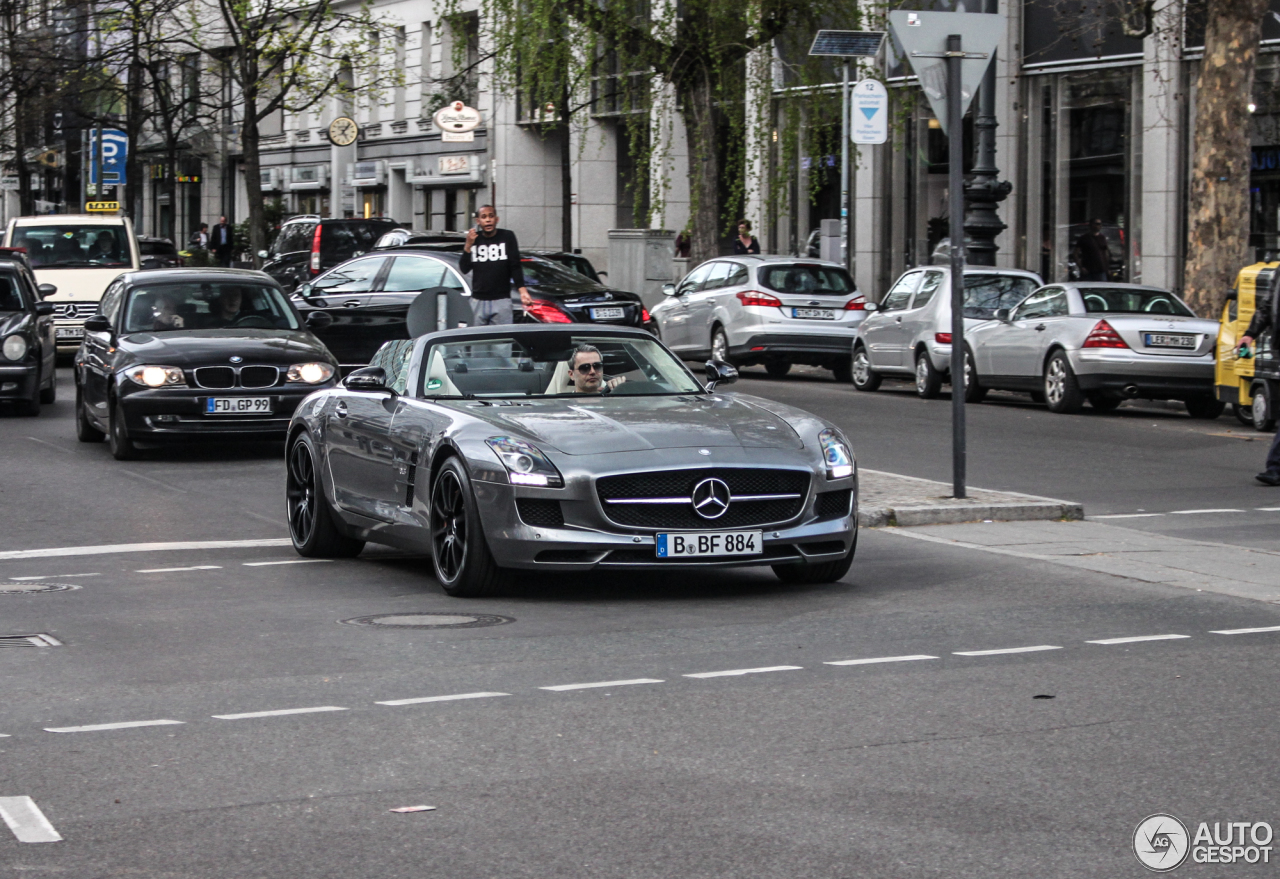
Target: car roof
{"points": [[197, 275], [763, 258], [69, 220], [1117, 285]]}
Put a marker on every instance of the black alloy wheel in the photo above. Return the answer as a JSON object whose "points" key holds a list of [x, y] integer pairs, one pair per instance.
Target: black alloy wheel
{"points": [[461, 557], [311, 525], [85, 431], [122, 447]]}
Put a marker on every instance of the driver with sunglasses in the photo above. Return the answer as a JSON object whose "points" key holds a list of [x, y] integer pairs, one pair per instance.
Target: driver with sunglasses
{"points": [[586, 371]]}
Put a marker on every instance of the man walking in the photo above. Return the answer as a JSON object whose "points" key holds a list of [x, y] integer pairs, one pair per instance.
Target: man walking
{"points": [[222, 241], [492, 255], [200, 238], [1092, 253]]}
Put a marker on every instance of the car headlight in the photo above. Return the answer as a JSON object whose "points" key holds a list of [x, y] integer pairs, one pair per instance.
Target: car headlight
{"points": [[309, 373], [525, 463], [156, 376], [15, 347], [836, 454]]}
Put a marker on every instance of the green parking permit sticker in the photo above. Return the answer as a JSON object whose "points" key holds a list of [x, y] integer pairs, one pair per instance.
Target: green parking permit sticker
{"points": [[433, 384]]}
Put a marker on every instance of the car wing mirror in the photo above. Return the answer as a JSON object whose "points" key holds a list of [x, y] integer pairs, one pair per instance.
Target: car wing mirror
{"points": [[369, 378], [262, 254], [1002, 315], [99, 323], [319, 320], [44, 309], [46, 290], [720, 373], [872, 306], [304, 290], [668, 289]]}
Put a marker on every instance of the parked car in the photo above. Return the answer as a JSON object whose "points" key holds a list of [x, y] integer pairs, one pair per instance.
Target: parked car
{"points": [[195, 354], [79, 254], [775, 310], [159, 253], [28, 350], [909, 332], [486, 459], [433, 239], [370, 297], [309, 245], [575, 262], [1100, 342]]}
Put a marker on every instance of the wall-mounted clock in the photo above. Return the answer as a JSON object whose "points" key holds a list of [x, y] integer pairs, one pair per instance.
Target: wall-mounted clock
{"points": [[343, 131]]}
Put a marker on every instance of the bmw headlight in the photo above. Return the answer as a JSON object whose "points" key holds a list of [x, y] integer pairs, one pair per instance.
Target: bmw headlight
{"points": [[525, 463], [836, 454], [156, 376], [309, 373], [15, 347]]}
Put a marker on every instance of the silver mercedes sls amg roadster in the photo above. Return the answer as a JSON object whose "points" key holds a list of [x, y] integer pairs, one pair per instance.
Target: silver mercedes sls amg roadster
{"points": [[565, 448]]}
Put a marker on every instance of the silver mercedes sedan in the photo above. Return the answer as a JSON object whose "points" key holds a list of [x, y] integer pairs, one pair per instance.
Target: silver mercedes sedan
{"points": [[1101, 342], [565, 448]]}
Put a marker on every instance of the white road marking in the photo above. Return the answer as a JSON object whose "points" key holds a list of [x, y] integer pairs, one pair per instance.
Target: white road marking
{"points": [[562, 687], [50, 445], [278, 713], [1126, 516], [1035, 649], [1194, 512], [880, 659], [26, 820], [112, 548], [1136, 638], [1268, 509], [4, 735], [171, 570], [1245, 631], [286, 562], [151, 479], [421, 699], [54, 576], [743, 671], [97, 727]]}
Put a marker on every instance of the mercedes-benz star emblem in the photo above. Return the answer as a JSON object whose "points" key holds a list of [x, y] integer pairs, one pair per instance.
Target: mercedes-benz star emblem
{"points": [[711, 498], [236, 358]]}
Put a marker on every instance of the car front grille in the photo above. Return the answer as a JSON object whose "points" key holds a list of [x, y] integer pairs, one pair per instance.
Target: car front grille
{"points": [[77, 311], [663, 499], [833, 504], [258, 376], [540, 511], [223, 377]]}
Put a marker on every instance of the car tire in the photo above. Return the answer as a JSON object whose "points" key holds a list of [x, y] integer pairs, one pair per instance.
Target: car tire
{"points": [[777, 368], [720, 345], [842, 371], [85, 431], [122, 447], [864, 378], [1244, 414], [311, 520], [1061, 390], [49, 395], [825, 572], [1262, 413], [974, 392], [460, 555], [1205, 408], [1103, 402], [928, 379]]}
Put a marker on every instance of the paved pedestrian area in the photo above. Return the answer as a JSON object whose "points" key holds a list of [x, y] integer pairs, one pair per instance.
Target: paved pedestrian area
{"points": [[894, 499]]}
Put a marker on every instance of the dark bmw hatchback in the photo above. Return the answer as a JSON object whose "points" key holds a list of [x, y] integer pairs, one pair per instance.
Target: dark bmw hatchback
{"points": [[195, 354]]}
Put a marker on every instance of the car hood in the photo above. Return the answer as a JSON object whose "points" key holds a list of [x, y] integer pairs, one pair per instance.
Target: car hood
{"points": [[79, 284], [197, 347], [631, 424]]}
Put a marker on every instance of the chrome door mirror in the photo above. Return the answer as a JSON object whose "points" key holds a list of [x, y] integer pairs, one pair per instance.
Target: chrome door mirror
{"points": [[872, 306], [668, 289], [370, 378], [719, 372], [319, 320]]}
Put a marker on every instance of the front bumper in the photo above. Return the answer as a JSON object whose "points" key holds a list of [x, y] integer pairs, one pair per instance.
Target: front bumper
{"points": [[1151, 376], [179, 414], [18, 382]]}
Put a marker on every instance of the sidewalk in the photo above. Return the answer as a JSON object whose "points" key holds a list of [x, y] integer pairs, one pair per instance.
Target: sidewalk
{"points": [[893, 499]]}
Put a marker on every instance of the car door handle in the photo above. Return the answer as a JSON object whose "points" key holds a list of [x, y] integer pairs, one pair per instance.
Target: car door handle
{"points": [[341, 410], [1039, 328], [351, 303]]}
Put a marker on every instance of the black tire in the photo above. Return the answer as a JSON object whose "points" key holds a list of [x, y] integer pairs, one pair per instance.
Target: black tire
{"points": [[460, 555], [1061, 390], [825, 572], [122, 447], [864, 378], [1037, 397], [1244, 414], [974, 392], [49, 395], [777, 368], [1104, 402], [842, 371], [928, 379], [1205, 408], [85, 431], [311, 520], [1262, 414], [719, 345]]}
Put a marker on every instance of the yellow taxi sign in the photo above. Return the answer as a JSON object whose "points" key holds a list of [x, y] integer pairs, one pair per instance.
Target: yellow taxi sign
{"points": [[102, 206]]}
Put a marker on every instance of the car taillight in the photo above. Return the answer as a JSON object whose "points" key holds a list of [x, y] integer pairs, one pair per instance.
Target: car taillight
{"points": [[942, 338], [753, 297], [1103, 335], [315, 251], [644, 315], [857, 303], [545, 312]]}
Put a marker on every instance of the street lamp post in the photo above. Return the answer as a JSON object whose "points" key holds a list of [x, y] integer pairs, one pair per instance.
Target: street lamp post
{"points": [[983, 194]]}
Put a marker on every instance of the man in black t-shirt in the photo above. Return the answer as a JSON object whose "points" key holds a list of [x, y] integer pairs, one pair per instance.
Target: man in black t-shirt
{"points": [[1092, 253], [493, 257]]}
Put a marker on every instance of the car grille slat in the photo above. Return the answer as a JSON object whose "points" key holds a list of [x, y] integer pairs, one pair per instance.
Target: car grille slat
{"points": [[258, 376], [215, 376], [833, 504], [540, 511], [223, 377], [658, 499]]}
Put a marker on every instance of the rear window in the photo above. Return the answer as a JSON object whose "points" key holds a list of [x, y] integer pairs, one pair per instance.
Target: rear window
{"points": [[295, 237], [806, 280], [538, 272], [157, 248], [1119, 300], [339, 241], [983, 294]]}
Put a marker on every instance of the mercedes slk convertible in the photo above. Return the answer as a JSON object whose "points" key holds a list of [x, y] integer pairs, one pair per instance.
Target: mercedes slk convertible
{"points": [[494, 449]]}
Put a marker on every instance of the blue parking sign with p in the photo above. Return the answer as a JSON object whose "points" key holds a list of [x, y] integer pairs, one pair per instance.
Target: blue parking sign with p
{"points": [[115, 150]]}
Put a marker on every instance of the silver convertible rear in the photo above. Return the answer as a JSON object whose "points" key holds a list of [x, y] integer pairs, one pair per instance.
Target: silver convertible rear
{"points": [[500, 448]]}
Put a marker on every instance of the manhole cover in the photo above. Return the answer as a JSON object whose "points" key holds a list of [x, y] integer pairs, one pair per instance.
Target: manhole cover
{"points": [[432, 620], [32, 588]]}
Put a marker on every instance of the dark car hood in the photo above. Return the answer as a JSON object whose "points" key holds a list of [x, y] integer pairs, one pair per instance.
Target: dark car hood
{"points": [[589, 426], [196, 347]]}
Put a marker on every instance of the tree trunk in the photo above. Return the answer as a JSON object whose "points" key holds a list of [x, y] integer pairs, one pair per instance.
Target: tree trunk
{"points": [[253, 179], [1218, 221], [133, 129], [26, 200], [698, 112]]}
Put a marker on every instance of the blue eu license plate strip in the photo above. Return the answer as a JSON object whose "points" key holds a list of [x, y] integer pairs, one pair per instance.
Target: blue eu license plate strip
{"points": [[708, 543]]}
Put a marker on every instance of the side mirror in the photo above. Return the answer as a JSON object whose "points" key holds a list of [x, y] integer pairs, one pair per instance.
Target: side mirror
{"points": [[46, 290], [43, 309], [99, 323], [303, 290], [668, 289], [369, 378], [1002, 314], [262, 254], [871, 306], [603, 274], [719, 372], [319, 320]]}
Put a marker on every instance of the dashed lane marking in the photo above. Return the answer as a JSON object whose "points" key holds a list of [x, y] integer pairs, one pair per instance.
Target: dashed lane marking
{"points": [[743, 671], [26, 820], [278, 713], [54, 576], [1002, 650], [1267, 509], [173, 570], [112, 548], [1136, 638], [562, 687], [1245, 631], [1197, 512], [99, 727], [285, 562], [419, 700], [877, 659], [1126, 516]]}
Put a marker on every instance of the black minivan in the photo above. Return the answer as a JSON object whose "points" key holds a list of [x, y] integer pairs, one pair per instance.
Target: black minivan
{"points": [[308, 245]]}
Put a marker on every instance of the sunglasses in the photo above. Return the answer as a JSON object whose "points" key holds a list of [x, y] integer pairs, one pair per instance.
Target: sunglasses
{"points": [[585, 368]]}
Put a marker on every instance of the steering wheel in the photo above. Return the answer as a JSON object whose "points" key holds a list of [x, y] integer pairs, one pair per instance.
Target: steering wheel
{"points": [[254, 321]]}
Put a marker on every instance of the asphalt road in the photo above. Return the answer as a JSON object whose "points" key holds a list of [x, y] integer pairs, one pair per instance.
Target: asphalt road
{"points": [[1036, 763]]}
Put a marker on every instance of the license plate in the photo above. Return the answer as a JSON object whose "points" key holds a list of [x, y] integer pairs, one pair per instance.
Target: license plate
{"points": [[607, 314], [68, 332], [814, 313], [1165, 340], [709, 543], [237, 406]]}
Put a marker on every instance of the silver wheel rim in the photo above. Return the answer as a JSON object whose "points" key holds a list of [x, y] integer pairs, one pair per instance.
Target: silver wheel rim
{"points": [[922, 374], [861, 368], [1055, 379], [719, 346], [1259, 409], [968, 372]]}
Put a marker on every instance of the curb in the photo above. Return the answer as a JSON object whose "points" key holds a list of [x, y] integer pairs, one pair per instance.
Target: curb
{"points": [[954, 514]]}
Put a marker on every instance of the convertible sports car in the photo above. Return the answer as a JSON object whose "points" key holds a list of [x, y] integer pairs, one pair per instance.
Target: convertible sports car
{"points": [[487, 448]]}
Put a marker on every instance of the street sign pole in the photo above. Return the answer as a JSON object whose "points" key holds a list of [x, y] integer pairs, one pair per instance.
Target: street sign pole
{"points": [[955, 186], [844, 166]]}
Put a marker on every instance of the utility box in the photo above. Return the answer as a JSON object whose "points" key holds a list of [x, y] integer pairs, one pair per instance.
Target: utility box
{"points": [[641, 261], [829, 240]]}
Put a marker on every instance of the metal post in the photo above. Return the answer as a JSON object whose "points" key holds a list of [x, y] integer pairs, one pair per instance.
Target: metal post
{"points": [[99, 188], [985, 191], [955, 186], [844, 165], [84, 167]]}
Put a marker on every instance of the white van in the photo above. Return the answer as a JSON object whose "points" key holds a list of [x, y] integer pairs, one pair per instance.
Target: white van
{"points": [[80, 254]]}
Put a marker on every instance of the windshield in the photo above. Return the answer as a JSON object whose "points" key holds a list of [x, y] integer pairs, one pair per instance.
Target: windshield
{"points": [[807, 280], [157, 248], [983, 294], [10, 296], [538, 365], [1121, 300], [89, 247], [538, 273], [158, 308]]}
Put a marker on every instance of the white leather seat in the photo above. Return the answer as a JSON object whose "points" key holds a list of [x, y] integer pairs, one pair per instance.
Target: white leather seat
{"points": [[437, 373], [560, 382]]}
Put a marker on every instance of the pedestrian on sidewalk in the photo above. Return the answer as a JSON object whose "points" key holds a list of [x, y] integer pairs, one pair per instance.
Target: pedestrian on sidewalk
{"points": [[1093, 255], [492, 255], [1262, 321], [223, 242], [200, 238]]}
